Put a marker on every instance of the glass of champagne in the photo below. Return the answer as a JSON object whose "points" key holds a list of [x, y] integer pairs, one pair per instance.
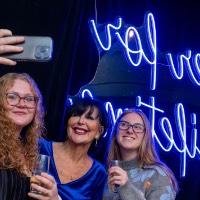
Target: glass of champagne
{"points": [[111, 164], [41, 165]]}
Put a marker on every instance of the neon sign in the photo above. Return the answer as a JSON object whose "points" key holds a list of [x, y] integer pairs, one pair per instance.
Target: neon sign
{"points": [[149, 55], [168, 132], [137, 53], [165, 128]]}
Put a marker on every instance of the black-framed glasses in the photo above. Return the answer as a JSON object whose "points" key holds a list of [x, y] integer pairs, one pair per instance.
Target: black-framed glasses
{"points": [[13, 99], [136, 127]]}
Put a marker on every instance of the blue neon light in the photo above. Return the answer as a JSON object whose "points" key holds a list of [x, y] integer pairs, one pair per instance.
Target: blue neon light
{"points": [[130, 53], [109, 27], [196, 63], [186, 61], [165, 128], [86, 93]]}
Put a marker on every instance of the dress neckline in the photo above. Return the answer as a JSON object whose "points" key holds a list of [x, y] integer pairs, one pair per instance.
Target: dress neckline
{"points": [[72, 181]]}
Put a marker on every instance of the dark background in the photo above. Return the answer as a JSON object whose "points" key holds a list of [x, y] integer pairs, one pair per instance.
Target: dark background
{"points": [[75, 57]]}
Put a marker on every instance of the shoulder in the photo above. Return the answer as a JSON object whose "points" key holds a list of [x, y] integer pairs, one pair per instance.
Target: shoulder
{"points": [[159, 170], [160, 176], [45, 146], [98, 174], [148, 172], [43, 141], [98, 167]]}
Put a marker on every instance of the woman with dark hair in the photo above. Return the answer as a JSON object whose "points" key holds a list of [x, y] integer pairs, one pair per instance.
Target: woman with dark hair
{"points": [[78, 175], [140, 174], [21, 124]]}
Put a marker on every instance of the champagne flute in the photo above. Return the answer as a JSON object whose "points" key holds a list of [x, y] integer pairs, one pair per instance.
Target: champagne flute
{"points": [[111, 164], [41, 165]]}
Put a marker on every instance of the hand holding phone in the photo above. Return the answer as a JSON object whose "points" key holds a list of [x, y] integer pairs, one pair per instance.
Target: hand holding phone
{"points": [[35, 48], [8, 45]]}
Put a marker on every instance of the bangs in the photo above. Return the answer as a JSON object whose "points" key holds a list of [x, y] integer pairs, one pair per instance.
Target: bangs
{"points": [[82, 105], [80, 109]]}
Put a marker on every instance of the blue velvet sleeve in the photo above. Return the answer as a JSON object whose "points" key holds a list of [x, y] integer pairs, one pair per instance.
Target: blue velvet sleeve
{"points": [[102, 180], [45, 147]]}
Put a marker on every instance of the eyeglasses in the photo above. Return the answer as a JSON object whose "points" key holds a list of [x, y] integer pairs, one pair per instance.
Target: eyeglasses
{"points": [[13, 99], [137, 127]]}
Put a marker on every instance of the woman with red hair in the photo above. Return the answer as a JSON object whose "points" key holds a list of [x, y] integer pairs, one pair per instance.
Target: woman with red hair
{"points": [[21, 124]]}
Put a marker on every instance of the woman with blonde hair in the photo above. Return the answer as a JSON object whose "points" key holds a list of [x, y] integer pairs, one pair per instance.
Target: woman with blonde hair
{"points": [[140, 175], [21, 124]]}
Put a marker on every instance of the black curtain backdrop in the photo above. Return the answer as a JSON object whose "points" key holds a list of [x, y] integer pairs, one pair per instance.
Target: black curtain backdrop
{"points": [[72, 64], [75, 56]]}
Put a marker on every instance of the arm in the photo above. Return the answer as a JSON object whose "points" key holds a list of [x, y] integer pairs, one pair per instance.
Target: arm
{"points": [[7, 45]]}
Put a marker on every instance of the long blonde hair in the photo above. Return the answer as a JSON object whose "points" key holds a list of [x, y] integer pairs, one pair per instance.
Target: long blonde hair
{"points": [[146, 153], [19, 153]]}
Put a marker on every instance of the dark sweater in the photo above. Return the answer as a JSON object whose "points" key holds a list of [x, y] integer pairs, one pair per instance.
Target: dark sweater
{"points": [[13, 186]]}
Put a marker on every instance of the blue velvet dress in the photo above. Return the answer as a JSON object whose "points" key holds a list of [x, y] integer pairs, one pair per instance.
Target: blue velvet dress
{"points": [[88, 187]]}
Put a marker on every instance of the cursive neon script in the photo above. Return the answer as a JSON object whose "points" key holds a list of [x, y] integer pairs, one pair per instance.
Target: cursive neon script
{"points": [[165, 128], [188, 62]]}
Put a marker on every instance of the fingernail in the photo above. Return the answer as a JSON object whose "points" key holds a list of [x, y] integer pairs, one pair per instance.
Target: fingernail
{"points": [[13, 63], [20, 48]]}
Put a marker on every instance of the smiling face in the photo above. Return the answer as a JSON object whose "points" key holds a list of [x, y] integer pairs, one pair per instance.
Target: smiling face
{"points": [[84, 128], [20, 114], [130, 140]]}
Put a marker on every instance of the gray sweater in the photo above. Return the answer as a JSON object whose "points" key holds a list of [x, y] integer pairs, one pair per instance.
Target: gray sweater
{"points": [[147, 183]]}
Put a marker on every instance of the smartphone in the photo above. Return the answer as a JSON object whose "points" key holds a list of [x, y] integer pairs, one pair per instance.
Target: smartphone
{"points": [[36, 48]]}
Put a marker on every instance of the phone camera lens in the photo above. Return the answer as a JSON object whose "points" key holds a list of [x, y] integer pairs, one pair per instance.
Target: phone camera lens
{"points": [[42, 52]]}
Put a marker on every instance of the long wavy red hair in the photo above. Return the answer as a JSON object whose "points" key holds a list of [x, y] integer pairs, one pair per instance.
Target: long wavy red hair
{"points": [[19, 153]]}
